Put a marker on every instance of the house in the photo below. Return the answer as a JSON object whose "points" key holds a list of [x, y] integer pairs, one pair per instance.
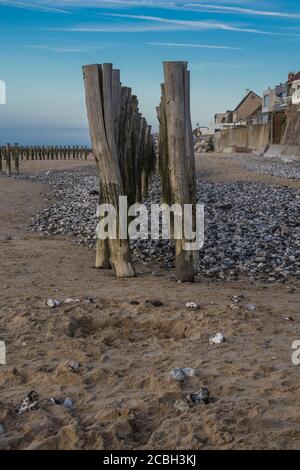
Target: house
{"points": [[282, 96], [269, 100], [279, 98], [223, 118], [293, 77], [249, 105], [295, 92], [256, 117]]}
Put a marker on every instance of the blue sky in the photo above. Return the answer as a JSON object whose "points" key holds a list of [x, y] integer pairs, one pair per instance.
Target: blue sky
{"points": [[231, 45]]}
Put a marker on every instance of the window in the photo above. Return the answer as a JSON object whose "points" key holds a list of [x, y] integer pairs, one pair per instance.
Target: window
{"points": [[266, 101]]}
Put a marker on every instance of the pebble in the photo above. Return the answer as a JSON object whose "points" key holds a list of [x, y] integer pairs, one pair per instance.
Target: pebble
{"points": [[181, 405], [272, 167], [2, 430], [71, 301], [217, 339], [189, 371], [30, 402], [236, 299], [191, 306], [181, 373], [199, 397], [251, 307], [68, 403], [56, 401], [52, 303], [177, 374], [74, 366]]}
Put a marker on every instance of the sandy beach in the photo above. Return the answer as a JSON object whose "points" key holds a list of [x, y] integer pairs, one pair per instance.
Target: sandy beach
{"points": [[122, 394]]}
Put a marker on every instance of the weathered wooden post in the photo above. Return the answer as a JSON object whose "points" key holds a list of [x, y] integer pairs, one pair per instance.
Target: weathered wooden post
{"points": [[8, 160], [149, 157], [101, 112], [177, 161], [17, 159], [140, 158]]}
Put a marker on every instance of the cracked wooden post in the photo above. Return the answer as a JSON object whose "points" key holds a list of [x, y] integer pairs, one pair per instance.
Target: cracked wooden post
{"points": [[190, 156], [177, 161], [101, 112]]}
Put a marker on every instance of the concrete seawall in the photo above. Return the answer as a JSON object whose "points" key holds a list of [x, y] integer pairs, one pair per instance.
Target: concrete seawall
{"points": [[254, 137], [291, 134]]}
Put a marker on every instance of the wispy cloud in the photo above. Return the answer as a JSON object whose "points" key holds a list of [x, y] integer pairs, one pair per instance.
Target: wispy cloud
{"points": [[201, 7], [65, 6], [58, 6], [77, 47], [117, 28], [54, 49], [200, 46], [182, 25], [218, 66], [33, 6]]}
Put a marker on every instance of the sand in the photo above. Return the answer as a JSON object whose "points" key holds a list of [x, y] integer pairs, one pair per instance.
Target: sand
{"points": [[123, 396]]}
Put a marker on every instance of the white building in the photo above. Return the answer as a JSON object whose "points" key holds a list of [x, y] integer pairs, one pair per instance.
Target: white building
{"points": [[296, 92]]}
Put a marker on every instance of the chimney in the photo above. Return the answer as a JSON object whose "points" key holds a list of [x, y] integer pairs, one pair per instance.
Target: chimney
{"points": [[291, 76]]}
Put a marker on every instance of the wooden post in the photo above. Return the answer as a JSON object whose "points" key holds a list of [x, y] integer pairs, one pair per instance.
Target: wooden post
{"points": [[8, 160], [16, 158], [101, 113], [140, 158], [149, 158], [1, 156], [178, 167]]}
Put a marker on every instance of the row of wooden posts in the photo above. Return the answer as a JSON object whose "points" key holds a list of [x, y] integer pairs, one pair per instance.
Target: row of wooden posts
{"points": [[14, 153], [124, 150]]}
